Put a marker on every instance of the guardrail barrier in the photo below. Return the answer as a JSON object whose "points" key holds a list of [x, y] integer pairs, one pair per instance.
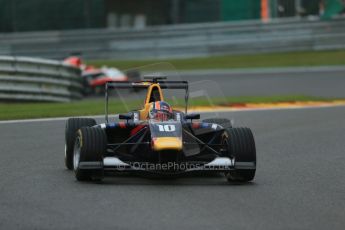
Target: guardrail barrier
{"points": [[33, 79], [180, 41]]}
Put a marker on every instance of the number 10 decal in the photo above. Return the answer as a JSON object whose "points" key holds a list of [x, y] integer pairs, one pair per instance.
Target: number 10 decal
{"points": [[167, 128]]}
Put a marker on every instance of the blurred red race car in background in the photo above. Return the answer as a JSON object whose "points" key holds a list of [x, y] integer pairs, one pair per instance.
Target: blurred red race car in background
{"points": [[94, 79]]}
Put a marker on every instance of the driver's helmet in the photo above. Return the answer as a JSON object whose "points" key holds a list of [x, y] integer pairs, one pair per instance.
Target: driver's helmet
{"points": [[74, 61], [160, 110]]}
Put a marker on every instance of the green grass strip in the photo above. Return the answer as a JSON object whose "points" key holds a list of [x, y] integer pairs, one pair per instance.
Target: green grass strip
{"points": [[9, 111]]}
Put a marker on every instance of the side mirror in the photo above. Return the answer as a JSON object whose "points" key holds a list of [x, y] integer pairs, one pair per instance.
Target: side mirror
{"points": [[192, 116], [126, 116]]}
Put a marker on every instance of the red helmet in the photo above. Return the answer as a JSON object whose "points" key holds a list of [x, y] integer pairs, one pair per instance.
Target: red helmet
{"points": [[74, 61], [160, 110]]}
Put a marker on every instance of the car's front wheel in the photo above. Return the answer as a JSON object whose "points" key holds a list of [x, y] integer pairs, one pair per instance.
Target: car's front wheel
{"points": [[72, 125], [89, 149], [240, 146]]}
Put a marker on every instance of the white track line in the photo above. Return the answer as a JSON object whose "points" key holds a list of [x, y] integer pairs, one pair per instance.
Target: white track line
{"points": [[221, 111]]}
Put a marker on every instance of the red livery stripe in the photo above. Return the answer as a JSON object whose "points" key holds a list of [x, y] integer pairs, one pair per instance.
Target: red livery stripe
{"points": [[136, 129], [195, 125], [122, 125]]}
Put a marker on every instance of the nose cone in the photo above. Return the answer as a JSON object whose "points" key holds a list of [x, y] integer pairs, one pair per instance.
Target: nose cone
{"points": [[167, 143]]}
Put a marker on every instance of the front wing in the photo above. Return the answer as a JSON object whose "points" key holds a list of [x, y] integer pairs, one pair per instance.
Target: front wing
{"points": [[219, 164]]}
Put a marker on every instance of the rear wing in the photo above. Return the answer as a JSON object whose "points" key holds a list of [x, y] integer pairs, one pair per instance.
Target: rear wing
{"points": [[146, 84], [143, 85]]}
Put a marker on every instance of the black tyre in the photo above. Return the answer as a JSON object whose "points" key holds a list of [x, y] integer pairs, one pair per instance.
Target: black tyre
{"points": [[99, 90], [72, 125], [133, 75], [241, 147], [226, 123], [90, 146]]}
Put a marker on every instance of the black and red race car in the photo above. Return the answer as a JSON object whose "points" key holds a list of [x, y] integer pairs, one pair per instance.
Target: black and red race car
{"points": [[94, 79], [173, 143]]}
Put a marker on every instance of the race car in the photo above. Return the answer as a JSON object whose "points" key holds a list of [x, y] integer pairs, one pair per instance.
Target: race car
{"points": [[94, 79], [158, 139]]}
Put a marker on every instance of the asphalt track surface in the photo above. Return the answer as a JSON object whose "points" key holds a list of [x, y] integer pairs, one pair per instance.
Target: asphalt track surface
{"points": [[325, 83], [299, 183], [318, 82]]}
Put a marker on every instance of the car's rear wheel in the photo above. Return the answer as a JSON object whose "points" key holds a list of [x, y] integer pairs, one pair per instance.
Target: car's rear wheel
{"points": [[90, 146], [134, 76], [241, 147], [99, 90], [224, 122], [72, 125]]}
